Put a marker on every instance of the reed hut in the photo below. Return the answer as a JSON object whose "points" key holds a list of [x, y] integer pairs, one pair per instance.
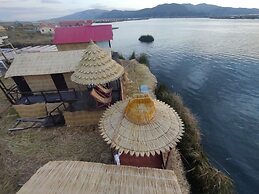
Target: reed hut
{"points": [[66, 177], [85, 79], [46, 28], [2, 29], [141, 129], [96, 67], [44, 71], [40, 76]]}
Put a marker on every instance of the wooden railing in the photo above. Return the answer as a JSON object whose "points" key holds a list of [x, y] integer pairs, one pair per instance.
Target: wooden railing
{"points": [[10, 93], [46, 95]]}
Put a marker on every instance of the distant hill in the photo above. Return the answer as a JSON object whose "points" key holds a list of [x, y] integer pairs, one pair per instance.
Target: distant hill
{"points": [[163, 11], [207, 10], [87, 14]]}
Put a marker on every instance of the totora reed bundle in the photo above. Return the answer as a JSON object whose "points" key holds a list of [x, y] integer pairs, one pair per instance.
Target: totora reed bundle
{"points": [[202, 176]]}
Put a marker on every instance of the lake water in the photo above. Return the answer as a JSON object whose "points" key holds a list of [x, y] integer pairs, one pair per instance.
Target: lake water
{"points": [[214, 66]]}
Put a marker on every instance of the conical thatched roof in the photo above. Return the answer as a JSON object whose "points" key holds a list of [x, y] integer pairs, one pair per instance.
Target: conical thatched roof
{"points": [[141, 126], [96, 67]]}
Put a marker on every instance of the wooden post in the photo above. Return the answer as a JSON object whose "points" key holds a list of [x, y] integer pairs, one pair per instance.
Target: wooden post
{"points": [[4, 89], [12, 47], [45, 98], [2, 53], [60, 96]]}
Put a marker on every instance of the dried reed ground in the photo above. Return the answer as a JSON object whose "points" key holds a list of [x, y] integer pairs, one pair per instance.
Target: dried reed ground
{"points": [[19, 37], [23, 152]]}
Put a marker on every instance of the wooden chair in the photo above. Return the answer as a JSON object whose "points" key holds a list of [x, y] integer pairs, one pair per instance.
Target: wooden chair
{"points": [[104, 90], [101, 100]]}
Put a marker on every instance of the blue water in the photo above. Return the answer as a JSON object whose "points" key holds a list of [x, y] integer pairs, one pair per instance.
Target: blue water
{"points": [[214, 66]]}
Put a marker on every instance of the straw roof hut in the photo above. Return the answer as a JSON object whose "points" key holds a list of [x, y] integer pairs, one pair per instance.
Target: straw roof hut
{"points": [[96, 67], [141, 126], [2, 29], [44, 63], [68, 177]]}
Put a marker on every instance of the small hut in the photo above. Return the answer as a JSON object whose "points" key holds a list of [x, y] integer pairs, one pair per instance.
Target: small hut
{"points": [[141, 129], [2, 29], [99, 73], [45, 77], [67, 177], [40, 73], [96, 67], [46, 28]]}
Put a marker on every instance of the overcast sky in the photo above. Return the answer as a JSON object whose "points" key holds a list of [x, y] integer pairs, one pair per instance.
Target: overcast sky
{"points": [[44, 9]]}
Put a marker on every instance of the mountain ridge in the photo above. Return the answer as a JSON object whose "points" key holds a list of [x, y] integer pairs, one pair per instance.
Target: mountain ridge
{"points": [[172, 10], [82, 15]]}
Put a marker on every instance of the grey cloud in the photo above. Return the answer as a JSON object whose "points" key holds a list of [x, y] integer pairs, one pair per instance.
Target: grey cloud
{"points": [[51, 1], [100, 6], [30, 14]]}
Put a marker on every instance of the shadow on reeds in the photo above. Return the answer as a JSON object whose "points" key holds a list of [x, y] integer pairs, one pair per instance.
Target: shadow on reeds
{"points": [[202, 176]]}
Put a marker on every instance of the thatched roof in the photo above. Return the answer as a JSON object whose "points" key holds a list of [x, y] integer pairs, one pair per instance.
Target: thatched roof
{"points": [[96, 67], [67, 177], [2, 29], [141, 126], [44, 63], [136, 75]]}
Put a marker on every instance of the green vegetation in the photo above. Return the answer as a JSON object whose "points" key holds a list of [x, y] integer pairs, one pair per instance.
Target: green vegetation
{"points": [[21, 37], [146, 38], [23, 152], [143, 59], [133, 56], [121, 56], [202, 176]]}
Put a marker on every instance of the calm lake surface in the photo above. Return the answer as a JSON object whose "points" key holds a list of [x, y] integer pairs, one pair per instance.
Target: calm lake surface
{"points": [[214, 66]]}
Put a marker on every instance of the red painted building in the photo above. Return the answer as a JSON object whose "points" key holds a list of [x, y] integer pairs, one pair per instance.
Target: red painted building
{"points": [[73, 38]]}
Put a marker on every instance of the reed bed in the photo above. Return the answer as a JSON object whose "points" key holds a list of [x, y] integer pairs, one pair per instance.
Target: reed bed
{"points": [[175, 163], [137, 75], [202, 176]]}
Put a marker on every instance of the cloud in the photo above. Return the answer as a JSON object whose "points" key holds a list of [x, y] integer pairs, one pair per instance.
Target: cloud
{"points": [[100, 6], [29, 14], [109, 8], [51, 1]]}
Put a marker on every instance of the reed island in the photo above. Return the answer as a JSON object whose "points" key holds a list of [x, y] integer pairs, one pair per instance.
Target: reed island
{"points": [[79, 118]]}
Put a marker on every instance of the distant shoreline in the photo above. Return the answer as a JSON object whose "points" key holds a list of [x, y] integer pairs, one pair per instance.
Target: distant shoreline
{"points": [[6, 23]]}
